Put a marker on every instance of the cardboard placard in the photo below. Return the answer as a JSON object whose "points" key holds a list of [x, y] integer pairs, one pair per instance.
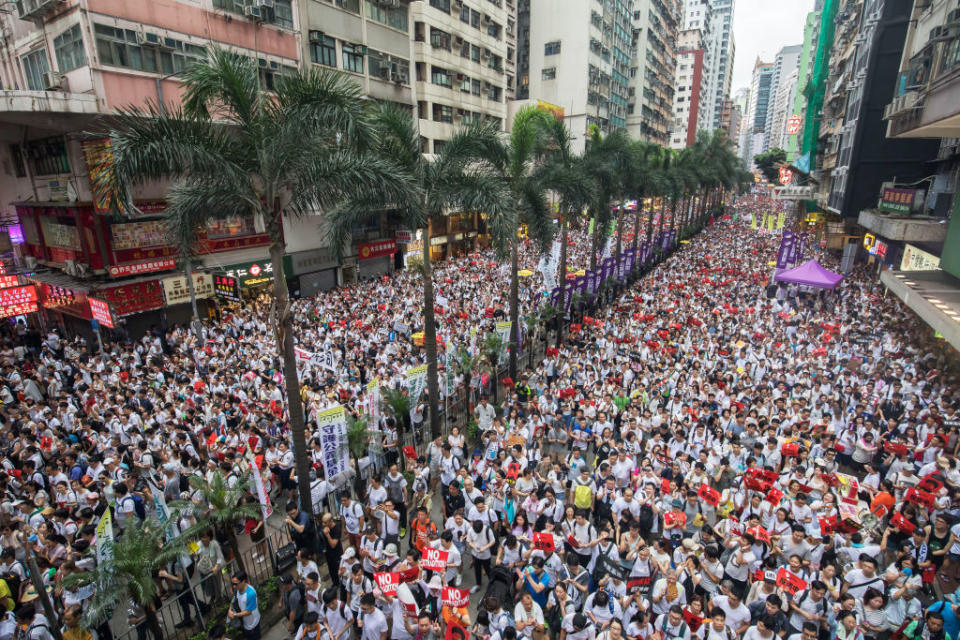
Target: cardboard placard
{"points": [[764, 474], [671, 519], [388, 582], [754, 483], [774, 496], [902, 523], [640, 583], [709, 495], [434, 559], [760, 534], [791, 450], [828, 525], [409, 575], [544, 542], [920, 497], [452, 597], [895, 448], [456, 632], [930, 484], [664, 485], [410, 452], [790, 582]]}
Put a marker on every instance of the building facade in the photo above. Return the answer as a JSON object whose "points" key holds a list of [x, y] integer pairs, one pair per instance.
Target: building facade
{"points": [[754, 125], [722, 50], [656, 26], [730, 117], [783, 87], [577, 57], [804, 70], [689, 90]]}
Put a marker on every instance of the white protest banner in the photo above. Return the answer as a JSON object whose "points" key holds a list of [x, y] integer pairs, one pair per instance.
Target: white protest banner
{"points": [[373, 401], [416, 381], [503, 330], [452, 597], [434, 559], [261, 492], [323, 359], [335, 455], [105, 538], [387, 582]]}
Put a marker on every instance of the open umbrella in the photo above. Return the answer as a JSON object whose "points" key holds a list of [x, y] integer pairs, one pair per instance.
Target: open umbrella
{"points": [[525, 273]]}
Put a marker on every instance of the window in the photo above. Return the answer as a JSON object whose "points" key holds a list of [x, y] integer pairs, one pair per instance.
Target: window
{"points": [[493, 30], [34, 66], [439, 39], [353, 57], [352, 6], [494, 93], [474, 19], [118, 47], [465, 50], [551, 48], [475, 53], [390, 16], [475, 87], [283, 14], [438, 145], [324, 52], [465, 85], [68, 47], [442, 113], [550, 73], [440, 76], [47, 157], [442, 5], [465, 14]]}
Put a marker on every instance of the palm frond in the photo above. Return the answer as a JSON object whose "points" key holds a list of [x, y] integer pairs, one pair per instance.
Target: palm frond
{"points": [[225, 86]]}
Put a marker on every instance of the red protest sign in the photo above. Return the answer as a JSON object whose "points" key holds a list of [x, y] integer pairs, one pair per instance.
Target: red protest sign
{"points": [[930, 484], [827, 525], [452, 597], [455, 632], [544, 542], [709, 495], [804, 488], [664, 485], [791, 450], [513, 470], [895, 448], [671, 519], [760, 534], [898, 521], [434, 559], [764, 474], [920, 497], [387, 582], [754, 483], [774, 496], [410, 452], [409, 575], [790, 582]]}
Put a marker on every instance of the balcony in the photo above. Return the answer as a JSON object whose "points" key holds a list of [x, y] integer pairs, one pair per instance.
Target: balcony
{"points": [[36, 10], [927, 104], [26, 107], [913, 229]]}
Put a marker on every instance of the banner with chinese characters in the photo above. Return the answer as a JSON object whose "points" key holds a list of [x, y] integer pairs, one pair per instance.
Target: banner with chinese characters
{"points": [[100, 311], [416, 382], [226, 287], [897, 200], [323, 359], [916, 259], [785, 254], [15, 301], [176, 291], [133, 298], [335, 454]]}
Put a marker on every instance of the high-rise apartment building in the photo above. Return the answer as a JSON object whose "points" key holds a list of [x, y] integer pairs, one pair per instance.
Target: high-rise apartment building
{"points": [[783, 86], [755, 117], [808, 50], [463, 61], [722, 49], [730, 117], [576, 55], [689, 90], [656, 26]]}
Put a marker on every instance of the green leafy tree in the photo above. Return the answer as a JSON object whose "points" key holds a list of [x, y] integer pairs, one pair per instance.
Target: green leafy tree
{"points": [[358, 435], [493, 346], [397, 404], [233, 148], [769, 163], [221, 507], [452, 179], [127, 575], [466, 365]]}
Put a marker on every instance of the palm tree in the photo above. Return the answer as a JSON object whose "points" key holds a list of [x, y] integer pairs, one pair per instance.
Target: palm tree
{"points": [[397, 402], [564, 174], [492, 353], [516, 161], [225, 506], [465, 364], [232, 149], [452, 179], [608, 161], [128, 575]]}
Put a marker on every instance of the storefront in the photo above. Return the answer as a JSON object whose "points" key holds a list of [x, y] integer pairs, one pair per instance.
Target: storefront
{"points": [[176, 293], [310, 271], [252, 278], [375, 258]]}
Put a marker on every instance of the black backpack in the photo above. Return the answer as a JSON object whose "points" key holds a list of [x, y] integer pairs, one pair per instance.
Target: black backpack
{"points": [[645, 519]]}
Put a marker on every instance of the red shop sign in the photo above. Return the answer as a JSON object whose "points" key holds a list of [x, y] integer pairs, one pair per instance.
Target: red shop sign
{"points": [[100, 311], [151, 266], [134, 298], [18, 295], [10, 310], [376, 249], [9, 281]]}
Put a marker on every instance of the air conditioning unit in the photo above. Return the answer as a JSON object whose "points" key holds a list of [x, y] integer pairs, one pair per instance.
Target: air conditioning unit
{"points": [[460, 77], [385, 73], [486, 54], [52, 81], [264, 4], [399, 76], [316, 37], [70, 268], [150, 39], [253, 13], [30, 262], [83, 270], [457, 40], [486, 19], [35, 9]]}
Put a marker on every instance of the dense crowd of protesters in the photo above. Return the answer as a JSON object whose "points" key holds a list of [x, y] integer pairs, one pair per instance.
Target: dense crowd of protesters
{"points": [[705, 456]]}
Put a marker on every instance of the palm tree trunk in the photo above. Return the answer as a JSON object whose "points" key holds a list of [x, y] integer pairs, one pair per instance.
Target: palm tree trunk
{"points": [[284, 337], [235, 546], [430, 341], [513, 344], [619, 239], [636, 224], [563, 277], [152, 622]]}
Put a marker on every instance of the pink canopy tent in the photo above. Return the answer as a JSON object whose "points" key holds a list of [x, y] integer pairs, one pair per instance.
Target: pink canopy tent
{"points": [[811, 274]]}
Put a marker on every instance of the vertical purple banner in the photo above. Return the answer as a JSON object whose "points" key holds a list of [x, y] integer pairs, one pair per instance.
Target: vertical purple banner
{"points": [[799, 246], [555, 297], [568, 294], [785, 254]]}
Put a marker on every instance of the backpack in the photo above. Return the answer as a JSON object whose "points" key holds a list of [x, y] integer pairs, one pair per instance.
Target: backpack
{"points": [[139, 508], [663, 628], [582, 496], [822, 605], [645, 519]]}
